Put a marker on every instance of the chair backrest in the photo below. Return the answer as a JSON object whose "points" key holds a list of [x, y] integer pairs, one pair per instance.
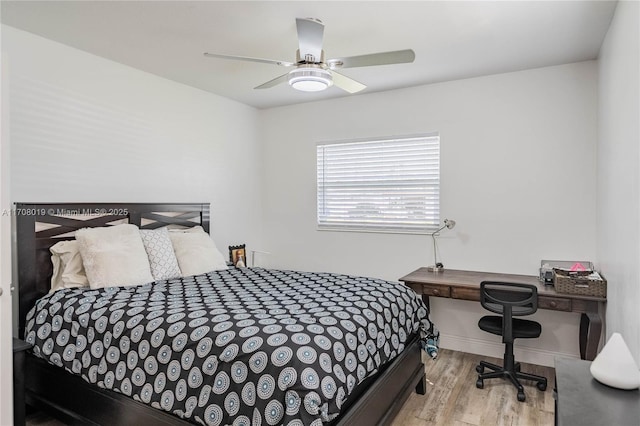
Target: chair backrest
{"points": [[508, 300], [497, 296]]}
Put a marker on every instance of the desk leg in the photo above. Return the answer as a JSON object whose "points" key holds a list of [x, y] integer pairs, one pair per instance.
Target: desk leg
{"points": [[425, 299], [590, 330]]}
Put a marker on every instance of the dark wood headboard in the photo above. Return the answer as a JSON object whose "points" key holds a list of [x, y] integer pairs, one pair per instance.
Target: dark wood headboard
{"points": [[41, 225]]}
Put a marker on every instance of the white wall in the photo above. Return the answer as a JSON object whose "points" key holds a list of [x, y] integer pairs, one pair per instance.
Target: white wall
{"points": [[618, 172], [517, 173], [84, 128]]}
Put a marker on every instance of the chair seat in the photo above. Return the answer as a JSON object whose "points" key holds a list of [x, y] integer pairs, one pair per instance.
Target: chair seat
{"points": [[524, 329]]}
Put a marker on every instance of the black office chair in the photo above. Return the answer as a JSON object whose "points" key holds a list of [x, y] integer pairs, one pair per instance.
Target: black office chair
{"points": [[509, 300]]}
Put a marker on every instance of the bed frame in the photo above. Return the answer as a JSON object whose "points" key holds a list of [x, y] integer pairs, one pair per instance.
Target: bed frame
{"points": [[71, 399]]}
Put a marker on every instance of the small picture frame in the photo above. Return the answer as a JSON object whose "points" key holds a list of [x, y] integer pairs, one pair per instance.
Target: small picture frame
{"points": [[237, 253]]}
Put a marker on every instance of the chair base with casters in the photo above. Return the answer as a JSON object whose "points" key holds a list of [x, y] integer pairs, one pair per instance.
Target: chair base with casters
{"points": [[511, 371], [497, 299]]}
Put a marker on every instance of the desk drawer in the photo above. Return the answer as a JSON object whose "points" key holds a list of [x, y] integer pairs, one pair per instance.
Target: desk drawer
{"points": [[554, 303], [436, 290], [466, 293]]}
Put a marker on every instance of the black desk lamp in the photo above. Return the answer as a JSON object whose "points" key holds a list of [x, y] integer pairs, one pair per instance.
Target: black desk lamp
{"points": [[438, 266]]}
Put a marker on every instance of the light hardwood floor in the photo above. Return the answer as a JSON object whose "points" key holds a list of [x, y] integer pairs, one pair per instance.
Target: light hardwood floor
{"points": [[452, 398]]}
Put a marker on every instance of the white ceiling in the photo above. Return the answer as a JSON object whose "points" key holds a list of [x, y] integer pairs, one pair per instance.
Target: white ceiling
{"points": [[452, 40]]}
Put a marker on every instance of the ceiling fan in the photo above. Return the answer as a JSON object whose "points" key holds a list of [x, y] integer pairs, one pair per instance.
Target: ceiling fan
{"points": [[311, 72]]}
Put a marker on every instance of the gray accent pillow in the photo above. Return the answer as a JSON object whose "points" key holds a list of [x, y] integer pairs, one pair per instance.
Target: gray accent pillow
{"points": [[162, 258]]}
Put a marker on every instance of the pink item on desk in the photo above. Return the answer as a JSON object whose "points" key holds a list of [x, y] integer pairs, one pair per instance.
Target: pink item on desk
{"points": [[578, 267]]}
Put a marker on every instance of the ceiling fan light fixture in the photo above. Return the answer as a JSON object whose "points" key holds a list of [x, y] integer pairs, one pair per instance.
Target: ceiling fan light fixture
{"points": [[310, 79]]}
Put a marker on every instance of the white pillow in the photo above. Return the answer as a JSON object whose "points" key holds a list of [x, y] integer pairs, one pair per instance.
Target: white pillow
{"points": [[196, 251], [162, 258], [114, 256], [68, 270]]}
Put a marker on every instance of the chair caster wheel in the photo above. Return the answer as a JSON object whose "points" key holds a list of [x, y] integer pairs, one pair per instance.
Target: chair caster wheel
{"points": [[542, 386], [521, 396], [480, 384], [479, 369]]}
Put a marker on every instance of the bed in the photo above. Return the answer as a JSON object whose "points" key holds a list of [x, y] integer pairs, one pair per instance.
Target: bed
{"points": [[337, 363]]}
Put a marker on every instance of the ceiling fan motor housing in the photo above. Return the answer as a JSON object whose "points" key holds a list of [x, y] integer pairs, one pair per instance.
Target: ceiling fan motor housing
{"points": [[310, 78]]}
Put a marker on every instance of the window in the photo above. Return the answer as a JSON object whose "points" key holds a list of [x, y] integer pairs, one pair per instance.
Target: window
{"points": [[380, 185]]}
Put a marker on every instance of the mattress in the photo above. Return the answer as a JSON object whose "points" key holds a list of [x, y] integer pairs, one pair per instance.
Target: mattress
{"points": [[239, 346]]}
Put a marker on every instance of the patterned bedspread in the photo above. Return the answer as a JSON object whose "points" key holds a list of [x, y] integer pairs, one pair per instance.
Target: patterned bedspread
{"points": [[242, 346]]}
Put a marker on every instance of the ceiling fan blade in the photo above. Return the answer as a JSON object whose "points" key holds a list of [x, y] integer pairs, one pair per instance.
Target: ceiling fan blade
{"points": [[347, 84], [310, 33], [282, 79], [382, 58], [246, 58]]}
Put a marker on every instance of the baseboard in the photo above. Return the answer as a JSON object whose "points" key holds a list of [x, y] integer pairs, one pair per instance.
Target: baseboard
{"points": [[496, 350]]}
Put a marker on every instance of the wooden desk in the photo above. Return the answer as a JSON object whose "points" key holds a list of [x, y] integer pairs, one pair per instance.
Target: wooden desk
{"points": [[465, 285], [582, 400]]}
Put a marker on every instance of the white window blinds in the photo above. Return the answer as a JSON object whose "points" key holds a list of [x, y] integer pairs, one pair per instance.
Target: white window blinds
{"points": [[381, 185]]}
